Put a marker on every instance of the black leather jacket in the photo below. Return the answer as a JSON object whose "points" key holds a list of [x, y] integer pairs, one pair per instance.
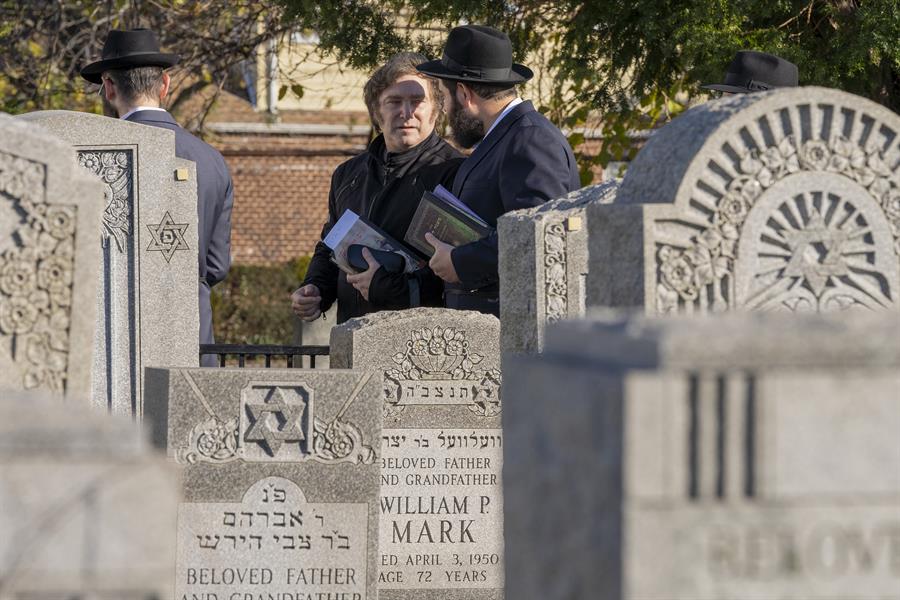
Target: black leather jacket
{"points": [[385, 189]]}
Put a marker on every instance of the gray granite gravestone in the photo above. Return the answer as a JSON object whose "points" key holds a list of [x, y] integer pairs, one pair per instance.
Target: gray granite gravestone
{"points": [[739, 457], [544, 265], [148, 304], [783, 200], [49, 240], [441, 532], [280, 478], [86, 510]]}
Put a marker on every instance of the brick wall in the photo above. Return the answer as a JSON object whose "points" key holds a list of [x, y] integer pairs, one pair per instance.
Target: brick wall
{"points": [[281, 181], [281, 186]]}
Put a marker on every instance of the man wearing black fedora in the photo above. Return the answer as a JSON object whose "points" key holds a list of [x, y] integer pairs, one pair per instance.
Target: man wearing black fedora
{"points": [[520, 159], [132, 73], [752, 71]]}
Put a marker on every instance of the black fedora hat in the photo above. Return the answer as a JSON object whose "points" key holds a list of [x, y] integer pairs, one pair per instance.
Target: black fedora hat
{"points": [[477, 54], [126, 50], [752, 71]]}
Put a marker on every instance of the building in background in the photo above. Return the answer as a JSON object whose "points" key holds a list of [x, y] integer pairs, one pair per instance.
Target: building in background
{"points": [[299, 116]]}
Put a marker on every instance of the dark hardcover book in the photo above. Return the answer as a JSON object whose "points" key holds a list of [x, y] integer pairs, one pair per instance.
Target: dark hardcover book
{"points": [[351, 229], [447, 222]]}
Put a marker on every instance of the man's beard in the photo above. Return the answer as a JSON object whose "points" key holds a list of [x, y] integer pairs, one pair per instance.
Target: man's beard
{"points": [[466, 129]]}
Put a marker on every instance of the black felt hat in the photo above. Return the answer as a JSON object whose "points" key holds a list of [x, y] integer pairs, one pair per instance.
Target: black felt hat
{"points": [[752, 71], [127, 50], [477, 54]]}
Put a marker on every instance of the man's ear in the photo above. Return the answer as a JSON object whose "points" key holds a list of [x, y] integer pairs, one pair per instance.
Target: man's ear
{"points": [[164, 90], [109, 88], [463, 94], [466, 96]]}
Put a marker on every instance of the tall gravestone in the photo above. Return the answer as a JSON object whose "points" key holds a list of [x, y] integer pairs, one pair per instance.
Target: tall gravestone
{"points": [[782, 200], [738, 457], [49, 251], [148, 300], [86, 510], [280, 480], [544, 265], [441, 532]]}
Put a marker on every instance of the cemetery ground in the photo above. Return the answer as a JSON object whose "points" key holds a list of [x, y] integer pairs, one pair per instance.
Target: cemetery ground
{"points": [[692, 392]]}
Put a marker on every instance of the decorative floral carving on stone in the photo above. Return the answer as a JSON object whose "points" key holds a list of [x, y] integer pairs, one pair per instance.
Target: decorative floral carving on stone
{"points": [[213, 441], [685, 274], [36, 275], [556, 289], [441, 357], [339, 441], [216, 441], [114, 168]]}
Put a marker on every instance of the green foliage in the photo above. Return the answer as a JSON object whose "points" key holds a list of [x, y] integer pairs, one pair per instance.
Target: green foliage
{"points": [[253, 306], [636, 63]]}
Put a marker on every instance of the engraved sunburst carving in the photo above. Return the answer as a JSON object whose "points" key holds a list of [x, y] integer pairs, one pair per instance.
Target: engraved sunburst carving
{"points": [[797, 208], [816, 252]]}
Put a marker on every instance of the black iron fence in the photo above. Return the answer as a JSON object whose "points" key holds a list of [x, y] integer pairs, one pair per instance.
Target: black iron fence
{"points": [[261, 356]]}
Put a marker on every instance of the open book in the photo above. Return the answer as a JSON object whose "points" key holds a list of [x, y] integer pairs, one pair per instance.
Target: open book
{"points": [[444, 215], [353, 229]]}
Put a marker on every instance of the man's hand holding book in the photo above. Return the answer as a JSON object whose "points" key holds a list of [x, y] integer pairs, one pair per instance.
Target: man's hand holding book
{"points": [[441, 261]]}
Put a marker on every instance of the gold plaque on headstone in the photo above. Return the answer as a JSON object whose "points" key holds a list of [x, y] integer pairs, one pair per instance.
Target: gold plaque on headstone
{"points": [[181, 174], [573, 223]]}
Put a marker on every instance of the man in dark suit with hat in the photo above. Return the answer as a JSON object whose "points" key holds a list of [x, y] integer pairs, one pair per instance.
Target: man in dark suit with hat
{"points": [[520, 159], [751, 71], [132, 73]]}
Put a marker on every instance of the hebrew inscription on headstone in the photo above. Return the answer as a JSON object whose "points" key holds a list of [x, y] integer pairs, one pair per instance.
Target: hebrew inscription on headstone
{"points": [[544, 265], [49, 229], [738, 457], [281, 479], [784, 200], [147, 301], [310, 548], [441, 532]]}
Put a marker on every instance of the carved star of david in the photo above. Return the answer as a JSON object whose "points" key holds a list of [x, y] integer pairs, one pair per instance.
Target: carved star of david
{"points": [[275, 422], [168, 237], [816, 253]]}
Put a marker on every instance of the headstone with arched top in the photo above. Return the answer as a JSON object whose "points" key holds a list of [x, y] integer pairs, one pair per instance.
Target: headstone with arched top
{"points": [[786, 200]]}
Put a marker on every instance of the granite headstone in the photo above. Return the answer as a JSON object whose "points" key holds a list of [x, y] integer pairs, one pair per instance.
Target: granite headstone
{"points": [[49, 254], [280, 479], [739, 457], [783, 200], [441, 533], [544, 265], [148, 309], [86, 509]]}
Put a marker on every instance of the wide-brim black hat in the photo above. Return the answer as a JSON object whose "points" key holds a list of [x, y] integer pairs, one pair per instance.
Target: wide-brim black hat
{"points": [[752, 71], [477, 54], [127, 50]]}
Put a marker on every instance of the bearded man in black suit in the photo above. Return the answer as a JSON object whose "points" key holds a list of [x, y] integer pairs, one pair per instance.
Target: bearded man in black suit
{"points": [[132, 73], [520, 159]]}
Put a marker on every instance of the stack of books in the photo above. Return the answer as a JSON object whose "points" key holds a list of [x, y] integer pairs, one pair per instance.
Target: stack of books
{"points": [[439, 212]]}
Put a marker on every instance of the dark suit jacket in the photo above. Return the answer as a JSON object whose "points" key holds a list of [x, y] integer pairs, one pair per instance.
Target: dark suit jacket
{"points": [[215, 197], [525, 161]]}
